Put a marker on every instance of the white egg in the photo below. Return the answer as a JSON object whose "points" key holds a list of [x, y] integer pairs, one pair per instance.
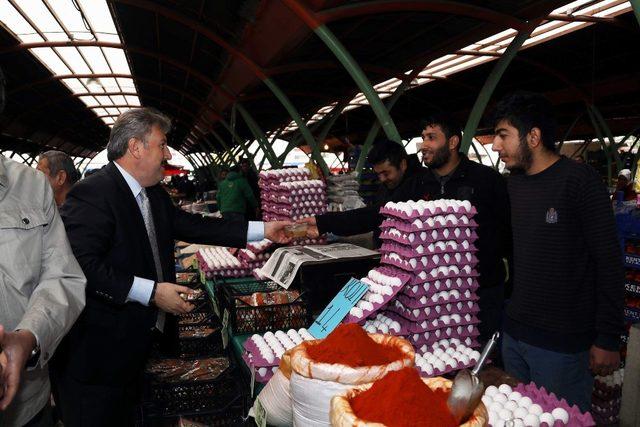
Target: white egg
{"points": [[491, 390], [531, 420], [515, 396], [511, 405], [517, 422], [505, 414], [487, 400], [536, 409], [505, 389], [520, 412], [525, 402], [560, 414], [439, 365], [496, 407], [501, 398], [547, 418]]}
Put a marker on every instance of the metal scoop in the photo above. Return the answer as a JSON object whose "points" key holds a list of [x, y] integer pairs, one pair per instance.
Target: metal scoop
{"points": [[467, 389]]}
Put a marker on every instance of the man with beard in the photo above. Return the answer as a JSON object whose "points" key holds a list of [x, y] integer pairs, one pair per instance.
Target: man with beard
{"points": [[451, 175], [566, 312], [395, 169]]}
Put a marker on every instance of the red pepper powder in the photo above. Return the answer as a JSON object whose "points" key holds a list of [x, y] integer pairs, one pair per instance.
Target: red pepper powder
{"points": [[401, 399], [350, 345]]}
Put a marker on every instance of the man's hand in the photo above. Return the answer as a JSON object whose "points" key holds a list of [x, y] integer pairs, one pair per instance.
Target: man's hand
{"points": [[275, 232], [168, 299], [603, 362], [312, 227], [16, 348]]}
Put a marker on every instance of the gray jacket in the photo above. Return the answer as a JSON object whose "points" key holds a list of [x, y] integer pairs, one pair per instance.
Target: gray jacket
{"points": [[42, 288]]}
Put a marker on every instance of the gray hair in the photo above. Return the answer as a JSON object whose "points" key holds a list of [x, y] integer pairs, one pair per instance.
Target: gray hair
{"points": [[134, 123], [59, 161]]}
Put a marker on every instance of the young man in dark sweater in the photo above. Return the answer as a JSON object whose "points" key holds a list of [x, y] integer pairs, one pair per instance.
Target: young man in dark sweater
{"points": [[565, 317]]}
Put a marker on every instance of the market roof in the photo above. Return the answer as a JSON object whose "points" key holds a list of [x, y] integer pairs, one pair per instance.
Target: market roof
{"points": [[239, 66]]}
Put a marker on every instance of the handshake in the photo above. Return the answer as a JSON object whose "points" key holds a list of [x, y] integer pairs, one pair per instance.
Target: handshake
{"points": [[305, 227]]}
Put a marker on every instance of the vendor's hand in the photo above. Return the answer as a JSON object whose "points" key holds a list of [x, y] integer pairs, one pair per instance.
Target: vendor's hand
{"points": [[16, 349], [312, 227], [275, 232], [603, 362], [168, 299]]}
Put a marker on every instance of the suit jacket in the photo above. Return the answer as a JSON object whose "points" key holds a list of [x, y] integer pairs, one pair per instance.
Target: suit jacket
{"points": [[110, 342]]}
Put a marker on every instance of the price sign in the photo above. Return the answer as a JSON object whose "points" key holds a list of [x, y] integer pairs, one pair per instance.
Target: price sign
{"points": [[260, 414], [339, 306]]}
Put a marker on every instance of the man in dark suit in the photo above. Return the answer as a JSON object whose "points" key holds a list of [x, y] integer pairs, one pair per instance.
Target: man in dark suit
{"points": [[122, 226]]}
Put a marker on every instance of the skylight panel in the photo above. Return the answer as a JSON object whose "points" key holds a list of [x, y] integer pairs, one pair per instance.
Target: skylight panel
{"points": [[70, 17], [90, 101], [48, 57], [75, 85], [119, 100], [99, 17], [12, 19], [117, 60], [109, 84], [113, 111], [127, 85], [132, 100], [100, 111], [72, 57], [104, 100], [42, 18], [95, 58]]}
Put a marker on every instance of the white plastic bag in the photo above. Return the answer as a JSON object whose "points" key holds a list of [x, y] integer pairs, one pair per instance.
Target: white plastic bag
{"points": [[312, 400], [275, 397]]}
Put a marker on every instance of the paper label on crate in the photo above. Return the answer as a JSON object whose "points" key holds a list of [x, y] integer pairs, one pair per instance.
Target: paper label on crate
{"points": [[225, 329], [338, 308], [260, 414]]}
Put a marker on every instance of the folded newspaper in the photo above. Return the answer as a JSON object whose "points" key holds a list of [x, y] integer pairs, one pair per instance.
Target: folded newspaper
{"points": [[284, 264]]}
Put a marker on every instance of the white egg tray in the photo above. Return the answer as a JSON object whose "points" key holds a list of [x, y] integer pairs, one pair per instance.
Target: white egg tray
{"points": [[428, 289], [450, 221], [384, 284], [217, 257], [422, 208], [259, 247], [423, 235], [446, 343], [267, 349], [440, 361], [530, 406]]}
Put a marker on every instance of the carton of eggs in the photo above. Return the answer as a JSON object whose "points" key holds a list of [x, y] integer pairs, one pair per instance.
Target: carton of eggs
{"points": [[267, 349], [530, 406], [421, 208], [442, 360], [383, 324], [384, 283]]}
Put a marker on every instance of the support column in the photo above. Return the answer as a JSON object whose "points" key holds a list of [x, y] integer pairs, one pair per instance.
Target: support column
{"points": [[302, 126], [349, 63], [490, 84], [259, 135]]}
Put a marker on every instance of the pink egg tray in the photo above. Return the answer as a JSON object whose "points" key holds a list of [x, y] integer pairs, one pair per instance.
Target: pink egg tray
{"points": [[248, 256], [431, 312], [549, 401], [439, 271], [282, 175], [439, 303], [422, 277], [427, 289], [289, 211], [461, 211], [468, 342], [429, 236], [260, 375], [416, 238], [241, 271], [437, 222], [260, 247], [287, 198], [295, 187], [432, 323], [451, 366], [442, 248], [431, 337], [459, 259], [370, 280]]}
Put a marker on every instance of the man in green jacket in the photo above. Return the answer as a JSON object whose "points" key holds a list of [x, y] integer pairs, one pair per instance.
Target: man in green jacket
{"points": [[234, 194]]}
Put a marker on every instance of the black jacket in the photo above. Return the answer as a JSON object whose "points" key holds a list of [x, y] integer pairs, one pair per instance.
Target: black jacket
{"points": [[367, 219], [110, 341], [484, 187]]}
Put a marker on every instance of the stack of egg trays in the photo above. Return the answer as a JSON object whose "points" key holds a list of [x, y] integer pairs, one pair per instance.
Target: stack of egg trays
{"points": [[435, 245]]}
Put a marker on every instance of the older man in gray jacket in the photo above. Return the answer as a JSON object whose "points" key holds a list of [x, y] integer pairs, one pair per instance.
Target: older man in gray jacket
{"points": [[42, 292]]}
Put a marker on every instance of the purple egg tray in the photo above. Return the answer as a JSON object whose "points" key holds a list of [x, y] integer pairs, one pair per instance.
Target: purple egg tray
{"points": [[253, 354], [442, 271], [549, 401], [468, 342], [259, 376], [435, 372], [423, 237], [432, 322], [461, 211], [287, 199], [428, 262], [249, 256], [392, 273], [439, 303], [466, 231], [420, 314], [428, 289], [449, 247], [432, 337], [435, 324], [436, 223]]}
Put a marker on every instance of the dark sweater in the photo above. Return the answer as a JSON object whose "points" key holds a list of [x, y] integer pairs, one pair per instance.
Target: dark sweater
{"points": [[568, 276]]}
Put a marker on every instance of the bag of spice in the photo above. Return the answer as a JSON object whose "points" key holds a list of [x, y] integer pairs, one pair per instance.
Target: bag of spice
{"points": [[275, 397], [400, 399], [345, 358]]}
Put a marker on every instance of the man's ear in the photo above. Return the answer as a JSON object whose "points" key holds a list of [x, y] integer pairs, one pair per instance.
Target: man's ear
{"points": [[454, 142], [403, 165], [134, 147], [534, 138], [61, 177]]}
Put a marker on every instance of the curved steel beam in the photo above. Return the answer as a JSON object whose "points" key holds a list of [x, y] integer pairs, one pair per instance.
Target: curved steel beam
{"points": [[502, 20], [202, 29], [351, 66]]}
